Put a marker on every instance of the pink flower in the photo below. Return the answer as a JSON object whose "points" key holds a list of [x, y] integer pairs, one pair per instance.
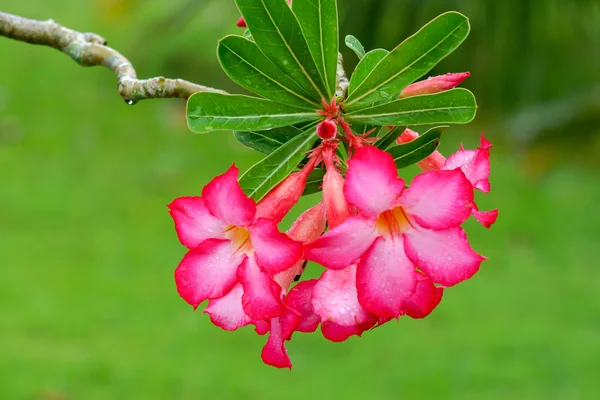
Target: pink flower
{"points": [[475, 164], [435, 84], [233, 255], [397, 231]]}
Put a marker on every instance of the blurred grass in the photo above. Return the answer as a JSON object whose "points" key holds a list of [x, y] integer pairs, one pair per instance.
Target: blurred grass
{"points": [[88, 307]]}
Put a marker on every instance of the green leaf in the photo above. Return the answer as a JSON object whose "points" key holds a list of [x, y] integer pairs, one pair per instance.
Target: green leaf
{"points": [[319, 22], [270, 140], [418, 149], [247, 66], [389, 138], [453, 106], [412, 59], [270, 171], [314, 182], [356, 46], [277, 33], [364, 68], [214, 111]]}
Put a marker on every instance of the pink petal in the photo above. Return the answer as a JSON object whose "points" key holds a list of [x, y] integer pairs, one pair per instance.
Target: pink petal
{"points": [[475, 164], [289, 320], [225, 199], [435, 84], [261, 299], [281, 199], [439, 199], [337, 333], [193, 222], [485, 218], [425, 299], [274, 251], [262, 327], [342, 246], [299, 300], [335, 299], [372, 183], [335, 203], [444, 256], [227, 312], [274, 353], [385, 278], [209, 271]]}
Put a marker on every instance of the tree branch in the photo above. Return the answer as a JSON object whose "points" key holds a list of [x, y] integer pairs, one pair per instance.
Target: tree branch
{"points": [[90, 49]]}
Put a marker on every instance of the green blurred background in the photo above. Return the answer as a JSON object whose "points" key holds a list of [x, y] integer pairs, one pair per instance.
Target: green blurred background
{"points": [[88, 307]]}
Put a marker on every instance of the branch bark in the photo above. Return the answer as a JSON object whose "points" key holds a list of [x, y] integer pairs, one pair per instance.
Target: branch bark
{"points": [[90, 49]]}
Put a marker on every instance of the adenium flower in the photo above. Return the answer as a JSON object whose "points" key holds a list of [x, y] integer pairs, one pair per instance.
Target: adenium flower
{"points": [[475, 164], [396, 231], [232, 253]]}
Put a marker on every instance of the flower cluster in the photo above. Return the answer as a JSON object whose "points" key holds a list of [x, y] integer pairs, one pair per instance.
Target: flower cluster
{"points": [[389, 249]]}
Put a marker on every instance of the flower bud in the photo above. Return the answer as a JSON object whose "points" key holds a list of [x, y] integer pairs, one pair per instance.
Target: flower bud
{"points": [[435, 84], [432, 163], [241, 23], [327, 129], [336, 206]]}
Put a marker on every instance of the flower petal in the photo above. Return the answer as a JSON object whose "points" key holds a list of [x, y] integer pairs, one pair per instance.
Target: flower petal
{"points": [[193, 222], [274, 251], [475, 164], [335, 203], [342, 246], [274, 353], [485, 218], [337, 333], [299, 300], [372, 183], [261, 299], [227, 312], [208, 271], [385, 278], [225, 199], [425, 299], [335, 299], [439, 199], [444, 256]]}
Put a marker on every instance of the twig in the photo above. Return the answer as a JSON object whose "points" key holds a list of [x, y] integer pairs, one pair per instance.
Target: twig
{"points": [[90, 49], [342, 78]]}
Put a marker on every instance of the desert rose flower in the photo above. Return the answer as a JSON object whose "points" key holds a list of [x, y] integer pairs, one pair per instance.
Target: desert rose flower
{"points": [[397, 230], [435, 84]]}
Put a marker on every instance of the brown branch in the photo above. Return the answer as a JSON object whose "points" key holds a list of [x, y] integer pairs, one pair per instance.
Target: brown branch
{"points": [[90, 49]]}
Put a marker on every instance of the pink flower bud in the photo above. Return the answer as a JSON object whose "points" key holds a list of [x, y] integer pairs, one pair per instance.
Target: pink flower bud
{"points": [[432, 163], [327, 130], [336, 206], [241, 23], [280, 200], [435, 84]]}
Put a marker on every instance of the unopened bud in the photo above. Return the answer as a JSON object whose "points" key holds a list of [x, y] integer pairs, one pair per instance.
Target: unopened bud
{"points": [[327, 129], [435, 84], [433, 162], [242, 23], [280, 200], [336, 206]]}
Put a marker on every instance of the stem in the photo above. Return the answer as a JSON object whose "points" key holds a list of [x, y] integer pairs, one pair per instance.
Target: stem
{"points": [[90, 49]]}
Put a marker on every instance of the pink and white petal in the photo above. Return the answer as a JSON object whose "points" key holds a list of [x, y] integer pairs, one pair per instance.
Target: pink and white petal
{"points": [[485, 218], [299, 300], [193, 221], [335, 299], [262, 295], [336, 206], [439, 199], [226, 200], [208, 271], [444, 256], [227, 312], [372, 182], [475, 164], [342, 246], [274, 353], [338, 333], [275, 252], [385, 278], [425, 299]]}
